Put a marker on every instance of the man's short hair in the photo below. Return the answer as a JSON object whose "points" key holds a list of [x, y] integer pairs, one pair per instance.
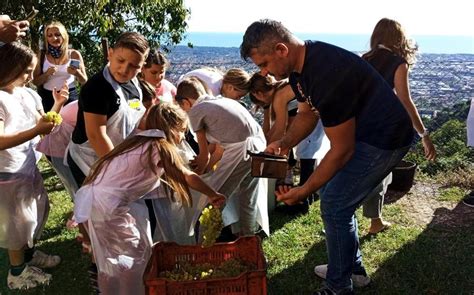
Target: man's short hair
{"points": [[263, 35]]}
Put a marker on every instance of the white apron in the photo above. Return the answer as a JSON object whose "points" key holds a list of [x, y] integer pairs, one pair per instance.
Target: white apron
{"points": [[234, 154], [118, 222], [119, 126], [24, 204], [55, 145]]}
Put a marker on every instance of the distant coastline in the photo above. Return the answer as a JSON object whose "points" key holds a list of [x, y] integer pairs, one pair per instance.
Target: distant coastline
{"points": [[354, 42]]}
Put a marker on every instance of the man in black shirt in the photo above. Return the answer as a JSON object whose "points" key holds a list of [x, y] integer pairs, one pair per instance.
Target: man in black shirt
{"points": [[367, 126]]}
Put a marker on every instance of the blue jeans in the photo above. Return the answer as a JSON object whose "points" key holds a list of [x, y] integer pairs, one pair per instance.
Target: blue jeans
{"points": [[340, 197]]}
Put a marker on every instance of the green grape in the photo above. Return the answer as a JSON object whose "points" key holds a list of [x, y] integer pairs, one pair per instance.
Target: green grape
{"points": [[188, 272], [211, 225], [53, 117]]}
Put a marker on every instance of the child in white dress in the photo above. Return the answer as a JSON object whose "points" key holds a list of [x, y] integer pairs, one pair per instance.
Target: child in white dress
{"points": [[24, 203], [111, 199]]}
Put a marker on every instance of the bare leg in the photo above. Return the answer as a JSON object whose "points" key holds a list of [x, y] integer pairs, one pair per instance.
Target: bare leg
{"points": [[377, 225], [17, 257]]}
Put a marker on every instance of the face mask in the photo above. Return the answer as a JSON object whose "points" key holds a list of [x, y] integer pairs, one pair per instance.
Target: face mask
{"points": [[55, 52]]}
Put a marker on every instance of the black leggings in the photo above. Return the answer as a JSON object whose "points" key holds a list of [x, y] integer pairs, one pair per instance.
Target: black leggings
{"points": [[307, 168], [79, 177]]}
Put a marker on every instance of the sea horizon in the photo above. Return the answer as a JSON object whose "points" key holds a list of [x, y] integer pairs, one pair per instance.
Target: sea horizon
{"points": [[437, 44]]}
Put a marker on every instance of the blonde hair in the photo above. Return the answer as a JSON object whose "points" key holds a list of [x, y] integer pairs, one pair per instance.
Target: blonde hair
{"points": [[238, 78], [170, 119], [389, 33], [62, 30]]}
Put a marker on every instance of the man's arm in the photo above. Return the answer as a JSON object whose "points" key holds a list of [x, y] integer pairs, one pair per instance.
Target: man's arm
{"points": [[342, 139], [303, 124]]}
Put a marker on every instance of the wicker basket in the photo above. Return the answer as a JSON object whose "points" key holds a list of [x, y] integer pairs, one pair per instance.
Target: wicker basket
{"points": [[167, 255], [403, 176]]}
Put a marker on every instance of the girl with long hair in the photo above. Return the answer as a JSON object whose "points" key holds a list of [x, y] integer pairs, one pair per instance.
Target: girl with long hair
{"points": [[111, 198], [391, 54]]}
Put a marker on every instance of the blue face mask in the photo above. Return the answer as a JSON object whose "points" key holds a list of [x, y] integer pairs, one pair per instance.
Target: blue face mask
{"points": [[55, 52]]}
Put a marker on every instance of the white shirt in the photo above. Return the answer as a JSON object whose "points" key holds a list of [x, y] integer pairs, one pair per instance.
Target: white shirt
{"points": [[61, 75], [18, 113]]}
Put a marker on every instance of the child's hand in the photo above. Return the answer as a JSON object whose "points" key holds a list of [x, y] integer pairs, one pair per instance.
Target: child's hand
{"points": [[61, 96], [51, 71], [44, 126], [199, 164], [72, 70], [275, 148], [217, 200]]}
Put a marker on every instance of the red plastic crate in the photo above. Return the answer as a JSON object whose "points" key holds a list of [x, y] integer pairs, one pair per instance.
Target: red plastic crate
{"points": [[167, 255]]}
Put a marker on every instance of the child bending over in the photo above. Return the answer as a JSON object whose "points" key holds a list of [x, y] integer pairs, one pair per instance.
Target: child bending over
{"points": [[111, 199]]}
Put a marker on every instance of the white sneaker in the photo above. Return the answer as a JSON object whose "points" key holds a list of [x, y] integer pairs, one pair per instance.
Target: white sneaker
{"points": [[43, 260], [29, 278], [359, 281]]}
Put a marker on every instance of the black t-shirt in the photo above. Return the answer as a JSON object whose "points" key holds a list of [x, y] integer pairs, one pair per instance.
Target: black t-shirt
{"points": [[98, 97], [341, 86], [386, 63], [292, 108]]}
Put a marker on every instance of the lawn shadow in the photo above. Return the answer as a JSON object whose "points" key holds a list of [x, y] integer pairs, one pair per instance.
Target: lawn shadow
{"points": [[439, 261], [286, 282], [50, 232], [69, 277], [393, 196], [279, 219]]}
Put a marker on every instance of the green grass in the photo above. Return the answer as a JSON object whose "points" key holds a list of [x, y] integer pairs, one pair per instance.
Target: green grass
{"points": [[406, 259], [451, 194], [70, 277]]}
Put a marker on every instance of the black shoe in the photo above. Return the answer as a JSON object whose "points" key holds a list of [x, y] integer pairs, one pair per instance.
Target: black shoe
{"points": [[469, 199], [327, 291]]}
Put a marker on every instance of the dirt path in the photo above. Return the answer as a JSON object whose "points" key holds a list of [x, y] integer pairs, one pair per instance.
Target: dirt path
{"points": [[423, 207]]}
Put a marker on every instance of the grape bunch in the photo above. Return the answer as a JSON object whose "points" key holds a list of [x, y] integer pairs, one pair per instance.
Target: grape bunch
{"points": [[227, 269], [53, 117], [211, 225]]}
